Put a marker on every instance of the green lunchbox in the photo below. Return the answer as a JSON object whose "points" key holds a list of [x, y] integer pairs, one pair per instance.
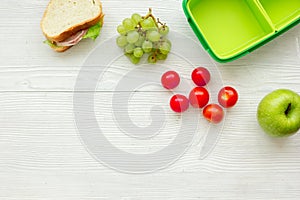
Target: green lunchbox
{"points": [[229, 29]]}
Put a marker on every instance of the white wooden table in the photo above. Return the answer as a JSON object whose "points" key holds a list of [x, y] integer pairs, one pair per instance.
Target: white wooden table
{"points": [[41, 153]]}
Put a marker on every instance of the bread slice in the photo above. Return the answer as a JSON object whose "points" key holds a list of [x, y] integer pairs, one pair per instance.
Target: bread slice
{"points": [[60, 49], [63, 18]]}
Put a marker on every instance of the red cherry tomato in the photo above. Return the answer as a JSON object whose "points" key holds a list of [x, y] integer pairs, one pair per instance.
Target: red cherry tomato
{"points": [[170, 80], [179, 103], [199, 97], [201, 76], [227, 97], [213, 113]]}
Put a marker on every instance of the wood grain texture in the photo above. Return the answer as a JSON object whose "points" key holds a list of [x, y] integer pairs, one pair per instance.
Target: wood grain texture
{"points": [[43, 157]]}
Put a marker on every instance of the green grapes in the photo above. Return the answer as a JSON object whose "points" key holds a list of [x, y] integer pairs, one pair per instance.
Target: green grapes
{"points": [[121, 29], [140, 41], [136, 18], [129, 48], [133, 37], [154, 36], [138, 52], [128, 24], [148, 24], [164, 30], [165, 48], [161, 56], [133, 59], [140, 35], [147, 46], [152, 58], [121, 41]]}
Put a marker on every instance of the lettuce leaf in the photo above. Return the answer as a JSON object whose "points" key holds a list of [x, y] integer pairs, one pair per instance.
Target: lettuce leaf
{"points": [[93, 31], [53, 45]]}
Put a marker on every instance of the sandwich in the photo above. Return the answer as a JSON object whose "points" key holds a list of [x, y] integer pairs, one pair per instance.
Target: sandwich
{"points": [[66, 22]]}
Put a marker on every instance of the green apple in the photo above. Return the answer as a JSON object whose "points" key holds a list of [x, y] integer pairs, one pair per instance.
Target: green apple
{"points": [[278, 113]]}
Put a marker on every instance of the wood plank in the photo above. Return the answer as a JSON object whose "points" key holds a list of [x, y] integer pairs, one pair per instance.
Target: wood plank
{"points": [[38, 132], [190, 186], [63, 78]]}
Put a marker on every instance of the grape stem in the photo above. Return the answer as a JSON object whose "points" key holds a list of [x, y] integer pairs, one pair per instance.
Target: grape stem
{"points": [[155, 53], [163, 24], [156, 21], [150, 15]]}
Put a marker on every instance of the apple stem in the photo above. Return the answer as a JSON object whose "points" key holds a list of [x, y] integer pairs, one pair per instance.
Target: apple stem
{"points": [[288, 109]]}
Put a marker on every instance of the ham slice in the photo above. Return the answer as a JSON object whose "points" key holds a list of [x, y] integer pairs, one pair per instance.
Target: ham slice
{"points": [[73, 40]]}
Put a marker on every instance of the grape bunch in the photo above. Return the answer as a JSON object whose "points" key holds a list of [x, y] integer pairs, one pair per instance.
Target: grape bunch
{"points": [[141, 35]]}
